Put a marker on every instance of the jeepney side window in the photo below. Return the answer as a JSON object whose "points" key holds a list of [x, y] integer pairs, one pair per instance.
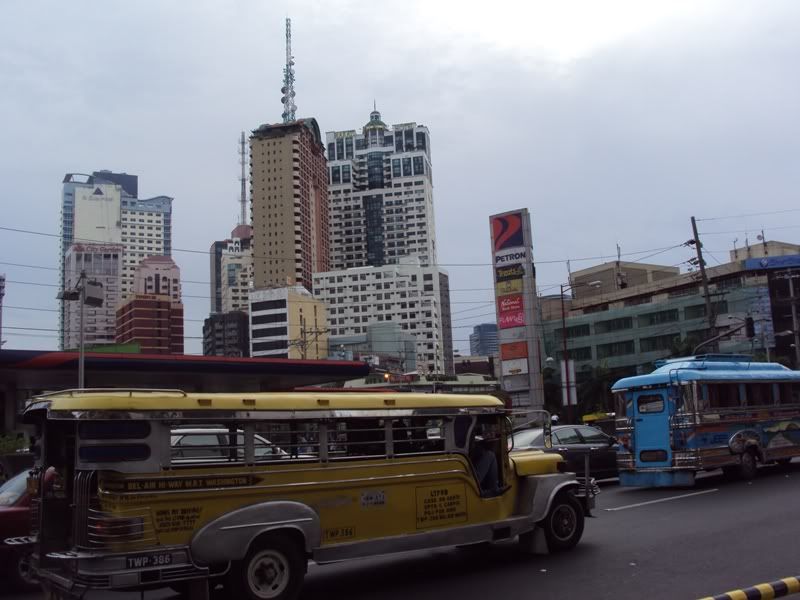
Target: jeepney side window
{"points": [[758, 394], [650, 403], [622, 403], [723, 395], [286, 440], [789, 393], [357, 437], [686, 405]]}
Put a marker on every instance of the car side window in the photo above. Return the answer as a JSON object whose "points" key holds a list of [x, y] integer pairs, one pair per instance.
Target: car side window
{"points": [[592, 436], [198, 446], [566, 436]]}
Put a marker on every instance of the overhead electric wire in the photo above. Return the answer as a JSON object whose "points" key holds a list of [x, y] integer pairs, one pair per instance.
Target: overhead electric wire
{"points": [[756, 214]]}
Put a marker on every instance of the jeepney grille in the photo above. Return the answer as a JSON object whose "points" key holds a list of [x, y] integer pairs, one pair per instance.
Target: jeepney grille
{"points": [[94, 528]]}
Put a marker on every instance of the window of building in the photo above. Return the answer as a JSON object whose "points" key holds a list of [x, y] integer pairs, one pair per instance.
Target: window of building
{"points": [[616, 349], [660, 342], [657, 318], [345, 173], [396, 167], [419, 168], [406, 167], [613, 325], [575, 331], [336, 175]]}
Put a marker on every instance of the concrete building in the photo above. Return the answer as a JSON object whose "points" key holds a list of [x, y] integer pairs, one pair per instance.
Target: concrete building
{"points": [[287, 323], [153, 315], [226, 334], [383, 345], [231, 271], [483, 340], [380, 194], [289, 204], [104, 208], [626, 330], [101, 263], [415, 296], [618, 275], [763, 249]]}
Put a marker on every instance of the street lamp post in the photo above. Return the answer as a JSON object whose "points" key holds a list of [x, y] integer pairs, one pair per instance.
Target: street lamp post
{"points": [[95, 299]]}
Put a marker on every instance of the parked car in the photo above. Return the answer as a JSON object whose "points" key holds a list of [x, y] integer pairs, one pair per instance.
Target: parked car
{"points": [[573, 442], [15, 521]]}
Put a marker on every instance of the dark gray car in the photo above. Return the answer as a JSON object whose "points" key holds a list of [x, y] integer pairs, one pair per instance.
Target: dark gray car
{"points": [[573, 442]]}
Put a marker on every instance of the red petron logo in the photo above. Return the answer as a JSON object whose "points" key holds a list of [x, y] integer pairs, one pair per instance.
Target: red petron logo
{"points": [[507, 231]]}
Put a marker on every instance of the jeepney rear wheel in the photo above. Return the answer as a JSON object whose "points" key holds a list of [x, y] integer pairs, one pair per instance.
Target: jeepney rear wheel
{"points": [[563, 525], [273, 569], [22, 577], [748, 465]]}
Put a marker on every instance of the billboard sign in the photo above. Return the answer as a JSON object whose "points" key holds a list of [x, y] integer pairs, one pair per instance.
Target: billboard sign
{"points": [[518, 366], [513, 350], [515, 293]]}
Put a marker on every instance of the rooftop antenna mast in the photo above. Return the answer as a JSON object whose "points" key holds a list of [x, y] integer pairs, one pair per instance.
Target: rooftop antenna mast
{"points": [[243, 181], [287, 90]]}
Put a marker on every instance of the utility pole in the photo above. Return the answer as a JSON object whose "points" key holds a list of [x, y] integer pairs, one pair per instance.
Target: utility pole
{"points": [[701, 263]]}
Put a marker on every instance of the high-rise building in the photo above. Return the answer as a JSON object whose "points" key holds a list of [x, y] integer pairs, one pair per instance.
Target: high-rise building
{"points": [[153, 315], [289, 204], [101, 263], [226, 334], [287, 323], [231, 271], [483, 340], [380, 194], [103, 208], [416, 296]]}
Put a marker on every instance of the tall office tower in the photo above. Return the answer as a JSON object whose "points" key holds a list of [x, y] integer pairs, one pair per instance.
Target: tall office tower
{"points": [[103, 208], [231, 271], [380, 194], [101, 263], [415, 296], [153, 315], [483, 340], [288, 183]]}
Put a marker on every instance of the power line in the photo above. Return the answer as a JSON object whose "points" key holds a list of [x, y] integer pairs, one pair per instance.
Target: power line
{"points": [[757, 214], [292, 258], [746, 231]]}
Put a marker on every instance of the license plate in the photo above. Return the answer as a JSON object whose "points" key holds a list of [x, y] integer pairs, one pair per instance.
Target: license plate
{"points": [[143, 561]]}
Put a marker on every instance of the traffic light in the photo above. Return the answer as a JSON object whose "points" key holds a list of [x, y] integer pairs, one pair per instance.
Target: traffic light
{"points": [[749, 327]]}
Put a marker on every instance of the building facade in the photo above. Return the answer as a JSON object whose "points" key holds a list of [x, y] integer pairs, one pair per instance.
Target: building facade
{"points": [[385, 345], [101, 263], [287, 323], [483, 340], [289, 204], [625, 331], [415, 296], [380, 194], [226, 334], [104, 208], [231, 271], [152, 316]]}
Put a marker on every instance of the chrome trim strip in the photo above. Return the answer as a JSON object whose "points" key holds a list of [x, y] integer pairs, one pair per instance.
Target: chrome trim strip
{"points": [[267, 524], [305, 484]]}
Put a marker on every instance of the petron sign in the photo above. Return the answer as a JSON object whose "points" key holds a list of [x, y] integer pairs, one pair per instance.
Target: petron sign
{"points": [[515, 301]]}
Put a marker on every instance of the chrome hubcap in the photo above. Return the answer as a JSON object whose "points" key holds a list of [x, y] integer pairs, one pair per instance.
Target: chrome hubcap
{"points": [[268, 574]]}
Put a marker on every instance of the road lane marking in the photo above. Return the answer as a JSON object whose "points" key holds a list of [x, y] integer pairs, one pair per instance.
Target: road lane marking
{"points": [[638, 504]]}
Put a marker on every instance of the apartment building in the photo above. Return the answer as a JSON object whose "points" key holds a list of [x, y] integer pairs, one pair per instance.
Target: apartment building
{"points": [[289, 204], [380, 194], [415, 296], [287, 322]]}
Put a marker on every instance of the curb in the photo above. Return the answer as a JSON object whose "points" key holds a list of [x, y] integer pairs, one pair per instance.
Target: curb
{"points": [[762, 591]]}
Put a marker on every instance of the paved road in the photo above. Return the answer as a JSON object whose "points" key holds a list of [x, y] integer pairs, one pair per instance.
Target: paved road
{"points": [[655, 544]]}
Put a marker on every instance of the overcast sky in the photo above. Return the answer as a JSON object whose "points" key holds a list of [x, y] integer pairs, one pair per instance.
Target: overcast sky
{"points": [[612, 122]]}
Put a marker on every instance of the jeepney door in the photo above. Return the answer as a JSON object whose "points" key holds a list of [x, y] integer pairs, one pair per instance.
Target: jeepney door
{"points": [[651, 429]]}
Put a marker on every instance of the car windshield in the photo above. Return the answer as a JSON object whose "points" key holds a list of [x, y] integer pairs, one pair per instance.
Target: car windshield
{"points": [[527, 437], [12, 490]]}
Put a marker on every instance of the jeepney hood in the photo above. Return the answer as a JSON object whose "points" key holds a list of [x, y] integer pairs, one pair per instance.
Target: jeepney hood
{"points": [[534, 462]]}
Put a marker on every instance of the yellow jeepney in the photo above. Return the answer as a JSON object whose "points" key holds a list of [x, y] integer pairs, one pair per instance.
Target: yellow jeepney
{"points": [[159, 488]]}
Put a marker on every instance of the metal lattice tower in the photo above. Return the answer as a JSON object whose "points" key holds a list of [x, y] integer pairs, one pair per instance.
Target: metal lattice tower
{"points": [[287, 90], [243, 181]]}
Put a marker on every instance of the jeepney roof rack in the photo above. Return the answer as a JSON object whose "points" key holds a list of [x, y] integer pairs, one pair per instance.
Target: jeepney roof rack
{"points": [[705, 358], [129, 391]]}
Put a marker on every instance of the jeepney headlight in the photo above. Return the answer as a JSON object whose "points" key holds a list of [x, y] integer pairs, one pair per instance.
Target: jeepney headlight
{"points": [[110, 529]]}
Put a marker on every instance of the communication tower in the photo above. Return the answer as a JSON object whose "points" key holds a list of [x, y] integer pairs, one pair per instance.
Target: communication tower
{"points": [[287, 90]]}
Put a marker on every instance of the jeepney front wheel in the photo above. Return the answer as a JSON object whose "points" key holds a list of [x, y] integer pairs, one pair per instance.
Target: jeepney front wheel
{"points": [[563, 525], [273, 569], [748, 466]]}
